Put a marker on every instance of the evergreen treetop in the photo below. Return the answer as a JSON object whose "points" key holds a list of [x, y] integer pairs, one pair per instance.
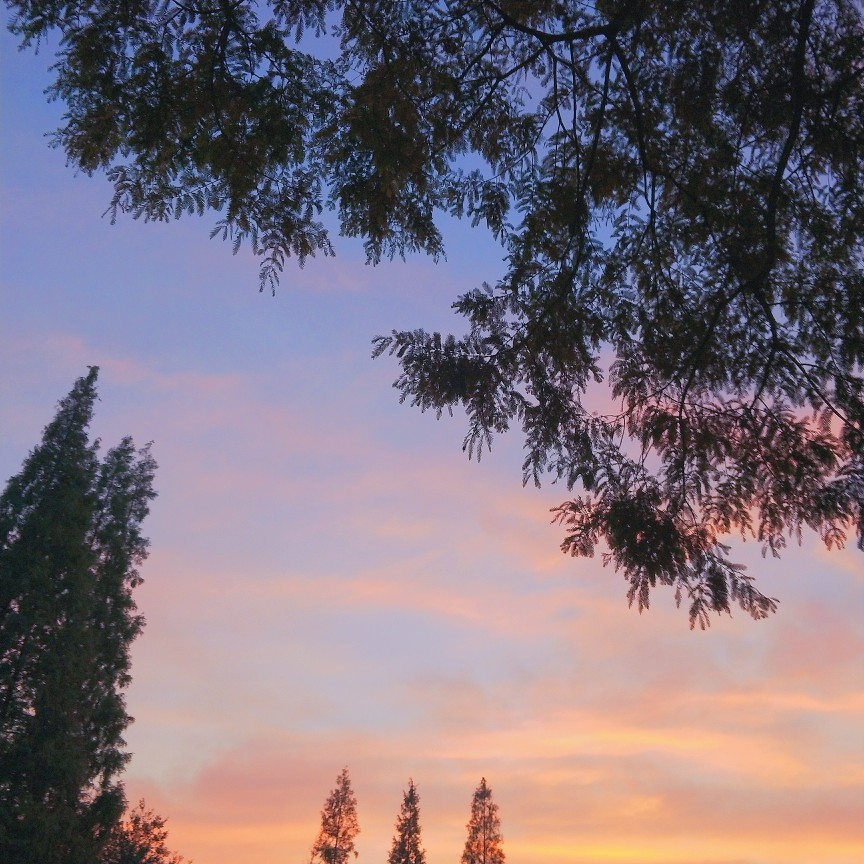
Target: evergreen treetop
{"points": [[484, 844], [339, 825], [70, 545], [407, 847]]}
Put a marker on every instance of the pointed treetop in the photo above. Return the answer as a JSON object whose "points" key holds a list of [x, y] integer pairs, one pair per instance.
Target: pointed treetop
{"points": [[407, 847], [484, 842], [70, 542], [339, 825]]}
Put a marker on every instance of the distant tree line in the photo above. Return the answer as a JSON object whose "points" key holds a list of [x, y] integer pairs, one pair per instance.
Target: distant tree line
{"points": [[340, 826]]}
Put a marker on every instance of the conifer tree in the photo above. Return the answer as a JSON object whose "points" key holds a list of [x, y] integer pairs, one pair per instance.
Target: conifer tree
{"points": [[339, 825], [70, 543], [483, 845], [407, 848]]}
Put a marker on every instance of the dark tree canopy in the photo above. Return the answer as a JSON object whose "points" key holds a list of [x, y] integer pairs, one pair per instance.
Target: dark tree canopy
{"points": [[70, 544], [677, 188]]}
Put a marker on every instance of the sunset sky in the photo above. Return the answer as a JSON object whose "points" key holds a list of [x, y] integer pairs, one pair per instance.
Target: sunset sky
{"points": [[331, 582]]}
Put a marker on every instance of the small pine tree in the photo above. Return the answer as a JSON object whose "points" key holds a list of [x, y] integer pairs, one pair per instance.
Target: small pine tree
{"points": [[407, 848], [139, 839], [339, 825], [483, 845], [70, 543]]}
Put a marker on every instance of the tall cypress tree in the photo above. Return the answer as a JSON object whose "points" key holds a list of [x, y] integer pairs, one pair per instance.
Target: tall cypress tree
{"points": [[483, 845], [407, 848], [339, 825], [70, 543]]}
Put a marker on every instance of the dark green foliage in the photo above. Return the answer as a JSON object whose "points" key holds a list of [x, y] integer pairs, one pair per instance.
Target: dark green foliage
{"points": [[139, 839], [339, 825], [483, 845], [677, 188], [70, 543], [407, 847]]}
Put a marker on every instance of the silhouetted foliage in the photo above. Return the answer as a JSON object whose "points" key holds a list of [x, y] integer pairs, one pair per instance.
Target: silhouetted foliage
{"points": [[339, 825], [407, 846], [70, 544], [677, 188], [139, 839], [483, 845]]}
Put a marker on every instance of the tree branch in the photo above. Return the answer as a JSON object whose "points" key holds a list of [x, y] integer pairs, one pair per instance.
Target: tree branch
{"points": [[548, 39]]}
